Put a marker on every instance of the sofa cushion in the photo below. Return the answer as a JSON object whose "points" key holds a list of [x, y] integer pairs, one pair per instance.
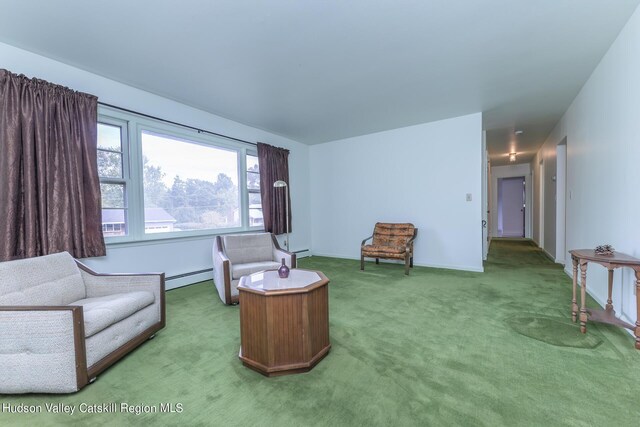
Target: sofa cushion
{"points": [[47, 280], [389, 234], [102, 312], [115, 336], [384, 250], [247, 248], [239, 270], [395, 252]]}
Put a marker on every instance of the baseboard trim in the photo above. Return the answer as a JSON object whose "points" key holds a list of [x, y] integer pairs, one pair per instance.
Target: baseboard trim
{"points": [[518, 235], [429, 265], [551, 257]]}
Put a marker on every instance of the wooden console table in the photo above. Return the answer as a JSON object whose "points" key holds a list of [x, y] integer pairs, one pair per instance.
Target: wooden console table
{"points": [[583, 257]]}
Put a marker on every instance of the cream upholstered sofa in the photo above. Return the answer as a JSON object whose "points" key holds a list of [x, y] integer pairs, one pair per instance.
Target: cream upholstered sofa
{"points": [[61, 324], [237, 255]]}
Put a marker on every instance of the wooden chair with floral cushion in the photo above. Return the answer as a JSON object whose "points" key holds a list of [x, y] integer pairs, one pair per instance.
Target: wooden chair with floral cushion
{"points": [[390, 241]]}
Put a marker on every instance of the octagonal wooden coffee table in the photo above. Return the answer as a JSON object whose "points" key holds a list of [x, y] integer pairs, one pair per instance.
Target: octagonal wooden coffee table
{"points": [[284, 323]]}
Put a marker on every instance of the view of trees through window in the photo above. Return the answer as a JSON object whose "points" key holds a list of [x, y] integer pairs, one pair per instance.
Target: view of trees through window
{"points": [[253, 188], [112, 180], [188, 186]]}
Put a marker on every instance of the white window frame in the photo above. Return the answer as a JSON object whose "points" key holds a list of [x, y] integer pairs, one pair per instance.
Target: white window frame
{"points": [[126, 173], [253, 153], [134, 186]]}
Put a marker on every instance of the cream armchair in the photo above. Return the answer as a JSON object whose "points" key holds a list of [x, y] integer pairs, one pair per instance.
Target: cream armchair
{"points": [[237, 255], [61, 324]]}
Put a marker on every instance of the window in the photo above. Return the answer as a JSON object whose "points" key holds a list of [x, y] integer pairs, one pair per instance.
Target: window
{"points": [[253, 189], [113, 177], [163, 181], [188, 186]]}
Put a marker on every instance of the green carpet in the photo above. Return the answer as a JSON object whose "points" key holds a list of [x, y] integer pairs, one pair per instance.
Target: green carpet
{"points": [[439, 347], [555, 331]]}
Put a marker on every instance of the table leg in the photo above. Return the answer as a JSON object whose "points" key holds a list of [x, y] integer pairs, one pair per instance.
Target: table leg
{"points": [[637, 330], [609, 305], [583, 296], [574, 305]]}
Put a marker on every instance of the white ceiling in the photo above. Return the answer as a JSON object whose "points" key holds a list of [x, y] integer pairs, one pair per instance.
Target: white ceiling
{"points": [[317, 71]]}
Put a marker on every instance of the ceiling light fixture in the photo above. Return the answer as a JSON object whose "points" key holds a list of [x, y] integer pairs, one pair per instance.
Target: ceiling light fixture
{"points": [[519, 132], [512, 157]]}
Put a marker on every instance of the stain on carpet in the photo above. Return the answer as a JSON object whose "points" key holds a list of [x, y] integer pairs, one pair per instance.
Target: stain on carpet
{"points": [[554, 331]]}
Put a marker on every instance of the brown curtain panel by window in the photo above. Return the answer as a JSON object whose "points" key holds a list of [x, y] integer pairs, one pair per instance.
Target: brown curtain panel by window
{"points": [[274, 166], [49, 185]]}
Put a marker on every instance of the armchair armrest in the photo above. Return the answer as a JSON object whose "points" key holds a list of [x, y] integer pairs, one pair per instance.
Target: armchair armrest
{"points": [[100, 284], [42, 349], [222, 271], [411, 239], [363, 242], [224, 258], [278, 253]]}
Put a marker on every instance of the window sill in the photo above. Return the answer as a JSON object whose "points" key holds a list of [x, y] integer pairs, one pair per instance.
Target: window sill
{"points": [[175, 239]]}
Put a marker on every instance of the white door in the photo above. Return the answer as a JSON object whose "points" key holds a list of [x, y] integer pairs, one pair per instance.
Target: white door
{"points": [[511, 204]]}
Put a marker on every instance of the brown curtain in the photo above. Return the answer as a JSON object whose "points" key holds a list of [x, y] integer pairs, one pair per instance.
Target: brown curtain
{"points": [[49, 186], [274, 166]]}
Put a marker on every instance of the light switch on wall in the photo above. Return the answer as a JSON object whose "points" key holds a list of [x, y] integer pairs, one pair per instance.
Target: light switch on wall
{"points": [[468, 197]]}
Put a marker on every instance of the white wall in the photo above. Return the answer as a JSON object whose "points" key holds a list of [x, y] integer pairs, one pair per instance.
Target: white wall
{"points": [[602, 127], [419, 174], [510, 171], [172, 257]]}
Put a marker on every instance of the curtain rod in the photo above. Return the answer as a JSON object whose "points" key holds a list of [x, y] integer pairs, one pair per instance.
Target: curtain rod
{"points": [[176, 123]]}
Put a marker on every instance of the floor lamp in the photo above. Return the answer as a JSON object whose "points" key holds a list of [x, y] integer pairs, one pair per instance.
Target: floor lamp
{"points": [[280, 184]]}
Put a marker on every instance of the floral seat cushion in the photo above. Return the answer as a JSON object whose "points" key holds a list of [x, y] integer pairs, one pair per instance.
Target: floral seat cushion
{"points": [[391, 241], [392, 235], [384, 251]]}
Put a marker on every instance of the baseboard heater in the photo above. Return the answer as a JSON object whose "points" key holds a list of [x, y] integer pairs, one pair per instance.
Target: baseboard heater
{"points": [[191, 273], [208, 270], [304, 252]]}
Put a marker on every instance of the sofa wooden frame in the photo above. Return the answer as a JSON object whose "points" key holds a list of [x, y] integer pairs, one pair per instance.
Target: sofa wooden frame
{"points": [[87, 374]]}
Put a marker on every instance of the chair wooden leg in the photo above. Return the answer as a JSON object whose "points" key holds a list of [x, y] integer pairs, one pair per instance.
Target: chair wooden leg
{"points": [[377, 260], [406, 264], [362, 262], [411, 262]]}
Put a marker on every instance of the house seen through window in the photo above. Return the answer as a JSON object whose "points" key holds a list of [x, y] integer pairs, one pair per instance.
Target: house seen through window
{"points": [[253, 189], [161, 180], [188, 186], [113, 180]]}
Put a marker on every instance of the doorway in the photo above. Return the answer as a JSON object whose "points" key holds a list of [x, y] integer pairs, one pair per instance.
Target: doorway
{"points": [[511, 207], [541, 206], [561, 202]]}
